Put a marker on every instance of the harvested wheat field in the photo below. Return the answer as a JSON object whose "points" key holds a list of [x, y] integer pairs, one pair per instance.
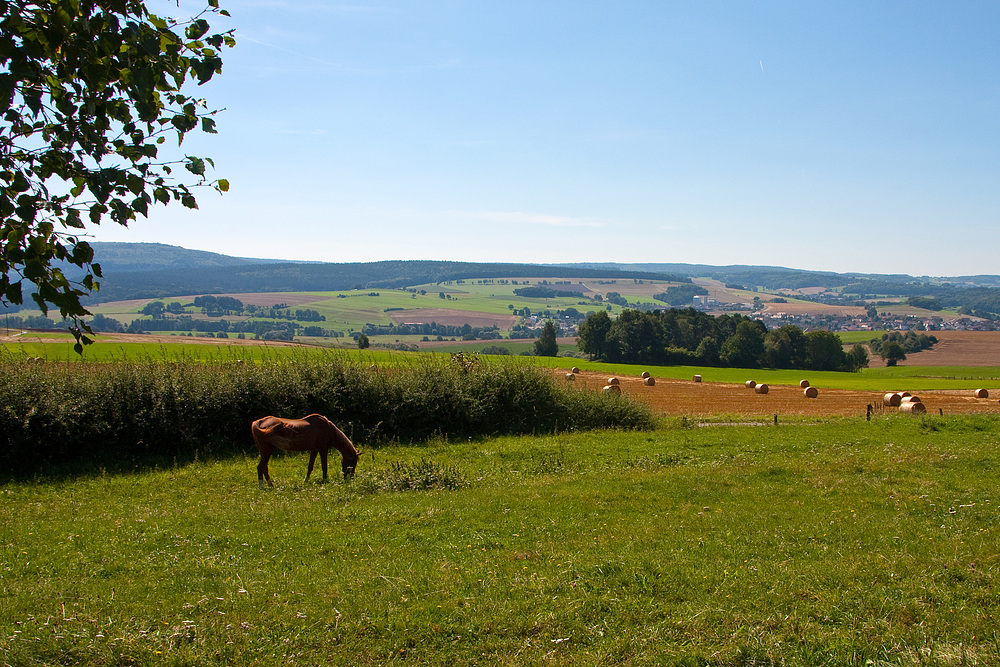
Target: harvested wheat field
{"points": [[704, 399], [957, 348]]}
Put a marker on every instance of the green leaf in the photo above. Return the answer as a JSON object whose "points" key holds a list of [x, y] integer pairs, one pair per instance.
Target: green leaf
{"points": [[196, 166], [223, 185]]}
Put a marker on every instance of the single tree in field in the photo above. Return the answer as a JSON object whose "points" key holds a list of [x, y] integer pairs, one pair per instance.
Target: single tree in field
{"points": [[546, 345], [892, 353], [363, 342], [91, 91]]}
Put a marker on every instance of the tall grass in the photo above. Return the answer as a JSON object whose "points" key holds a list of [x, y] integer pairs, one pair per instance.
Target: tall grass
{"points": [[120, 414]]}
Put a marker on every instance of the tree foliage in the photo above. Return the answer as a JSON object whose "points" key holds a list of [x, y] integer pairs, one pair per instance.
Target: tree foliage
{"points": [[90, 91], [546, 345], [690, 336]]}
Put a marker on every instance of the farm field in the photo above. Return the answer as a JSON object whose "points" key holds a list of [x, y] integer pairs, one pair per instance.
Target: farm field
{"points": [[707, 400], [472, 301], [837, 543]]}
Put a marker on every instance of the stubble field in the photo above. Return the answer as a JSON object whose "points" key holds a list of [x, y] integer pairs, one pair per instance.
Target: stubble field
{"points": [[706, 399]]}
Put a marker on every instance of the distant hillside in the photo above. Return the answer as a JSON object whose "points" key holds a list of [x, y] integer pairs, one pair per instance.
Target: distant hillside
{"points": [[149, 270], [132, 257], [288, 277]]}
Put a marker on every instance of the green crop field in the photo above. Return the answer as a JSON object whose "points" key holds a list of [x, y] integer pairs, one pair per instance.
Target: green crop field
{"points": [[839, 543]]}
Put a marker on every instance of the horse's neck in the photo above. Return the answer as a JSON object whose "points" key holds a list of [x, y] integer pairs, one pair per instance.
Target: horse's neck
{"points": [[342, 443]]}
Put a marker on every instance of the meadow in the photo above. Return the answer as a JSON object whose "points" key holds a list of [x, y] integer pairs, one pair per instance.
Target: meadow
{"points": [[840, 543], [834, 541]]}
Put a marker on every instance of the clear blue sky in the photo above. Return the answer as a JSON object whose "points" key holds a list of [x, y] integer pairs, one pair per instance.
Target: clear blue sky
{"points": [[844, 136]]}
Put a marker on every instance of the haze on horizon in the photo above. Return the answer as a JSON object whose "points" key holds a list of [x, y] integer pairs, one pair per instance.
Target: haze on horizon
{"points": [[844, 136]]}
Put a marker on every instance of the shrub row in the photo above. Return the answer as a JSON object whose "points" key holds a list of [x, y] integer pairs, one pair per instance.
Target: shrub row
{"points": [[106, 414]]}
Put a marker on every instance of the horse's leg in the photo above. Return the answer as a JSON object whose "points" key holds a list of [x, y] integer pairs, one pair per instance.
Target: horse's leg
{"points": [[322, 461], [312, 460], [262, 471]]}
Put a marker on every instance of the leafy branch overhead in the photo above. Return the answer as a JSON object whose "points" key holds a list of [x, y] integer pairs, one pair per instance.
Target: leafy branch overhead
{"points": [[91, 97]]}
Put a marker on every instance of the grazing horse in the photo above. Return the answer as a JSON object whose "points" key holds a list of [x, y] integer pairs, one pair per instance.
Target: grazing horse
{"points": [[314, 434]]}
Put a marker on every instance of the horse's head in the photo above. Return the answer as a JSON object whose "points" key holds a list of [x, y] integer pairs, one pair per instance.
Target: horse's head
{"points": [[349, 463]]}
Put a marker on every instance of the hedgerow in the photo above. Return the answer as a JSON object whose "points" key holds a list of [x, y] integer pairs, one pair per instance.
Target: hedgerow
{"points": [[127, 412]]}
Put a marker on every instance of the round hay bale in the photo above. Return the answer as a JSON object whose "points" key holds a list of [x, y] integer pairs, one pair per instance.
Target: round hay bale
{"points": [[613, 382], [811, 392], [373, 367], [910, 399], [982, 393], [892, 399], [575, 370], [696, 378], [913, 408], [645, 374], [750, 384], [904, 394], [761, 389], [570, 377], [649, 382], [803, 383], [612, 389]]}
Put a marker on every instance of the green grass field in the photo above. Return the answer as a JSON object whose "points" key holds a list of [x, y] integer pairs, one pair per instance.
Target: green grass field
{"points": [[840, 543], [917, 378]]}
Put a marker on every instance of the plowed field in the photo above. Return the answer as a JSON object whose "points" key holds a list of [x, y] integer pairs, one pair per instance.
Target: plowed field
{"points": [[703, 399]]}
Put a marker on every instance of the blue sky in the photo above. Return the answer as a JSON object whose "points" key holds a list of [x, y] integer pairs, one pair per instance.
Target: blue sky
{"points": [[843, 136]]}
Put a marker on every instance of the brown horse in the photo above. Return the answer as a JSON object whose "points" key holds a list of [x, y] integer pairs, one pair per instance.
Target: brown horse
{"points": [[314, 434]]}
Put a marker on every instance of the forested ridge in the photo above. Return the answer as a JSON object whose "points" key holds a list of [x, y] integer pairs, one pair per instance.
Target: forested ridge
{"points": [[290, 277], [155, 270]]}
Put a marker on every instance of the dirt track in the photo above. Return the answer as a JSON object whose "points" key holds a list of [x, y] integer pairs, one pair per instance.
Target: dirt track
{"points": [[703, 399]]}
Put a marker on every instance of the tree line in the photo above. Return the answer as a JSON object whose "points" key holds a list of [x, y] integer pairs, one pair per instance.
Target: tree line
{"points": [[691, 337]]}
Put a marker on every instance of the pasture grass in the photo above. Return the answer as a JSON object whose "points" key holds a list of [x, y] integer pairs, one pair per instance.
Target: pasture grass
{"points": [[837, 543]]}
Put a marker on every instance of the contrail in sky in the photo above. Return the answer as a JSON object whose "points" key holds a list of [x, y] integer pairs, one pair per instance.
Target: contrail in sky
{"points": [[761, 66]]}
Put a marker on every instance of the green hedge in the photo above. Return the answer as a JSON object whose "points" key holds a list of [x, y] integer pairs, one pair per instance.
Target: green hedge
{"points": [[116, 414]]}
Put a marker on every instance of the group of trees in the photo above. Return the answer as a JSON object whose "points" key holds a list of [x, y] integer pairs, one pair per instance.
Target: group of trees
{"points": [[681, 295], [463, 331], [220, 306], [187, 323], [893, 347], [690, 336]]}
